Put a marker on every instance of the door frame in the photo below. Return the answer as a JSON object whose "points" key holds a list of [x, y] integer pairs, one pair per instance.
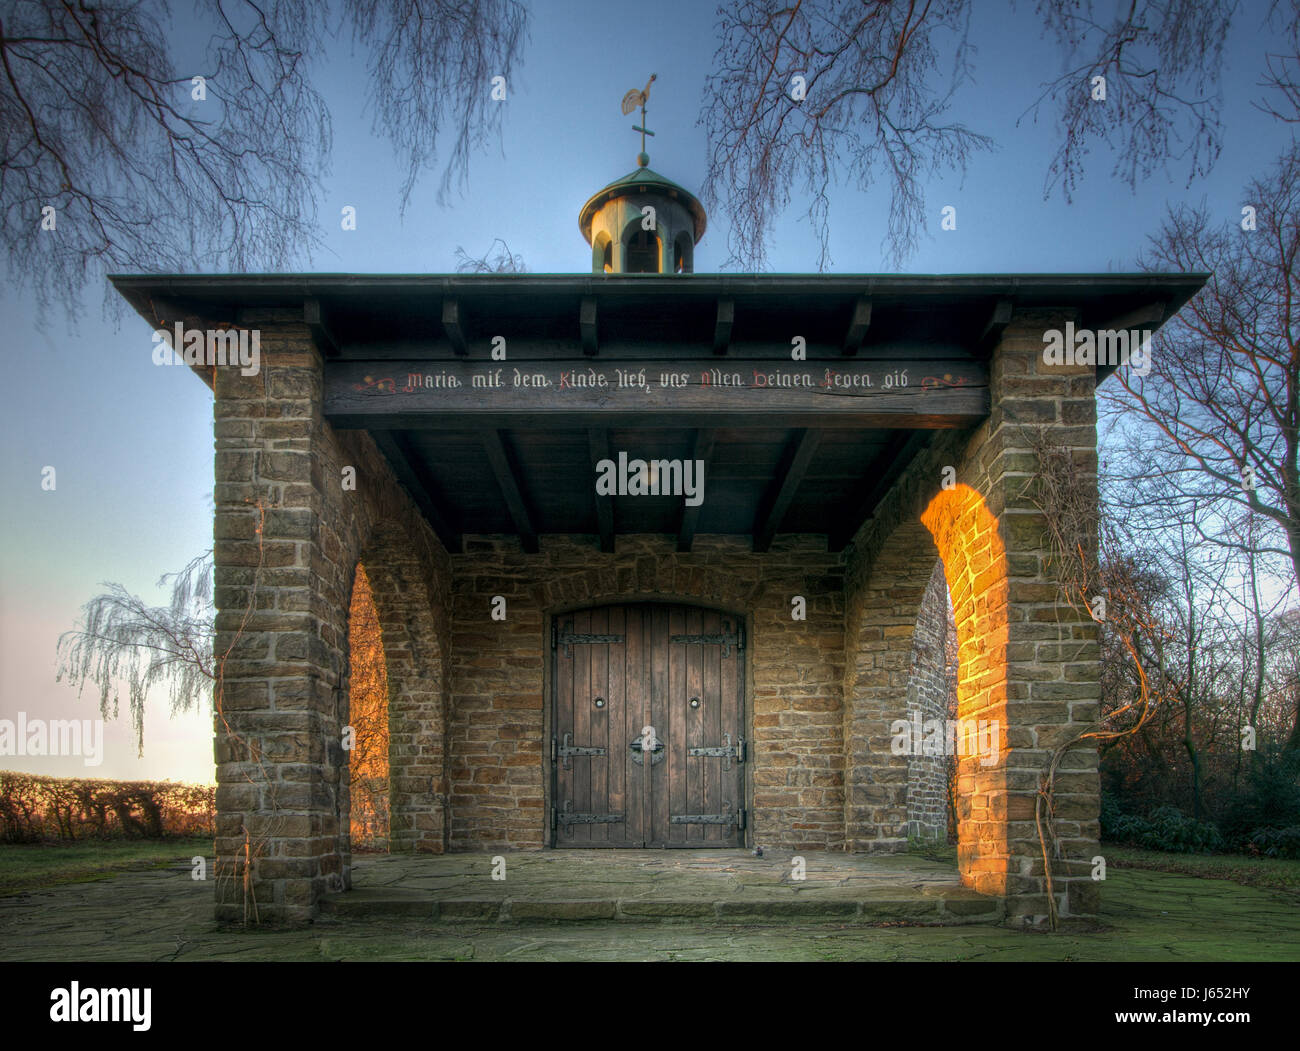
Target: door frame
{"points": [[549, 624]]}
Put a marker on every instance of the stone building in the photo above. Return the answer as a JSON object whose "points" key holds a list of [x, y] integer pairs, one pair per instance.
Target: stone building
{"points": [[650, 552]]}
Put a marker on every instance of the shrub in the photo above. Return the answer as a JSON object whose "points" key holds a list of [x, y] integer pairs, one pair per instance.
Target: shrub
{"points": [[1276, 842], [1167, 828]]}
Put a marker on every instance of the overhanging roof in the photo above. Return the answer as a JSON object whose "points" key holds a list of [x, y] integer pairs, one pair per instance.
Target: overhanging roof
{"points": [[502, 467]]}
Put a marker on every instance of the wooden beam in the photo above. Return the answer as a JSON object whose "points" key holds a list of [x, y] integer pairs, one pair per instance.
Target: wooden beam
{"points": [[587, 324], [451, 324], [167, 312], [508, 479], [703, 450], [858, 325], [998, 319], [321, 332], [1147, 315], [722, 327], [794, 465], [579, 392], [598, 447], [880, 476], [415, 478]]}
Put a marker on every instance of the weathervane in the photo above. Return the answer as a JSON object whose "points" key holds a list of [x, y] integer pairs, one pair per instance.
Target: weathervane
{"points": [[631, 100]]}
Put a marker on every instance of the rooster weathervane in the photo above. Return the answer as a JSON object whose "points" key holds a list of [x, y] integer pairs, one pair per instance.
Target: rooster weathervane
{"points": [[631, 100]]}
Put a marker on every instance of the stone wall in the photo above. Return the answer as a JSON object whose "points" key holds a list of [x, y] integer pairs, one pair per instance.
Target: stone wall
{"points": [[1028, 662], [498, 722], [468, 718], [932, 695], [288, 533]]}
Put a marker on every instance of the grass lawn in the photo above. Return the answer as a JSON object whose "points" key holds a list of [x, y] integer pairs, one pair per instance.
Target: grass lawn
{"points": [[37, 866], [1274, 873]]}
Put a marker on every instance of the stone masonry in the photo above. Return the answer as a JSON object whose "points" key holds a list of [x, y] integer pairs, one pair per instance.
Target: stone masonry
{"points": [[299, 505]]}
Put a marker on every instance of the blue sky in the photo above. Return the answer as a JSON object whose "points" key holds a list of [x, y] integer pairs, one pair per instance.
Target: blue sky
{"points": [[132, 442]]}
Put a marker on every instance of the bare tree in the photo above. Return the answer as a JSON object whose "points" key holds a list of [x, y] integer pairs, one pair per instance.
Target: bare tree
{"points": [[804, 90], [1223, 394], [111, 157], [1142, 77], [122, 637], [1282, 72], [500, 261], [809, 89]]}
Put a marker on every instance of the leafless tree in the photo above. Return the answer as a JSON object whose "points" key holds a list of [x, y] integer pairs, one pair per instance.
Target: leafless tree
{"points": [[494, 261], [1223, 393], [122, 637], [878, 78], [1159, 62], [1282, 72], [866, 104], [146, 168]]}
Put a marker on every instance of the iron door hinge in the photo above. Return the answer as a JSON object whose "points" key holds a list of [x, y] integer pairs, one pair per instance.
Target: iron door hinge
{"points": [[727, 638], [725, 753], [564, 751], [567, 638]]}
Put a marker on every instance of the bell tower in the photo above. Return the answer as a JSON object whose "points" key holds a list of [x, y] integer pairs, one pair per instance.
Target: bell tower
{"points": [[643, 223]]}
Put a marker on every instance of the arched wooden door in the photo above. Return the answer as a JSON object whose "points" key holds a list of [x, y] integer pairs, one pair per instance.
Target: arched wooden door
{"points": [[648, 745]]}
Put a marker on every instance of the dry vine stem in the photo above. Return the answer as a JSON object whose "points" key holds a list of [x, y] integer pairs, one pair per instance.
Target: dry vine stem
{"points": [[1072, 529], [250, 899]]}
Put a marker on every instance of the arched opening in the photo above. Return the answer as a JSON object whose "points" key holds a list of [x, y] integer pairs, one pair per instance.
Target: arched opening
{"points": [[643, 252], [898, 664], [368, 716], [602, 254], [683, 254], [974, 558], [932, 707]]}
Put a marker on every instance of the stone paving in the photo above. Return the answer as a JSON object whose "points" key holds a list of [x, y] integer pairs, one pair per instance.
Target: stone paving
{"points": [[164, 915], [662, 885]]}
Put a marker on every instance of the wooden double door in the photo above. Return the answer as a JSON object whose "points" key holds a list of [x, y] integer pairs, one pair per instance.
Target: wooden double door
{"points": [[647, 744]]}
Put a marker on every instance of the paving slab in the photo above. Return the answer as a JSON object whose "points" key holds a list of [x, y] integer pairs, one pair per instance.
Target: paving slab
{"points": [[668, 885]]}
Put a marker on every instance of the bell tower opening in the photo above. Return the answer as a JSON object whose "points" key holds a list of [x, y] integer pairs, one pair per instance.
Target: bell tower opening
{"points": [[643, 252]]}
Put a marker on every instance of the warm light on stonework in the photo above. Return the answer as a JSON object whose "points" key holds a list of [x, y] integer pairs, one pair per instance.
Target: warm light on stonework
{"points": [[975, 564]]}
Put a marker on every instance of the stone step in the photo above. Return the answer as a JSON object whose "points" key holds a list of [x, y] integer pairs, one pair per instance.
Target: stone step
{"points": [[395, 903]]}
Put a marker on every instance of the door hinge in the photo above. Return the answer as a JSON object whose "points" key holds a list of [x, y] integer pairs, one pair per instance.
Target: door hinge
{"points": [[725, 753], [566, 750], [552, 818], [741, 816], [566, 637]]}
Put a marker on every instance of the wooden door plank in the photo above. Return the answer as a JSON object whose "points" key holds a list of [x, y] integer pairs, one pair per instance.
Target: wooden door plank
{"points": [[582, 801], [656, 782], [600, 727], [637, 709], [563, 791], [616, 741], [699, 738], [729, 684]]}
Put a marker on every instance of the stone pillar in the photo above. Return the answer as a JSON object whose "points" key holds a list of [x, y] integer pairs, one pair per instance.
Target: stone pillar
{"points": [[1027, 660], [1050, 691], [282, 586]]}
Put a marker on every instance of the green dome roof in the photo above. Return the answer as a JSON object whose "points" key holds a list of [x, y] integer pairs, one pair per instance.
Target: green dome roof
{"points": [[638, 181]]}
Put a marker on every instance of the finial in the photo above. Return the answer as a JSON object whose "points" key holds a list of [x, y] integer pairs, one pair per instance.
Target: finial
{"points": [[631, 100]]}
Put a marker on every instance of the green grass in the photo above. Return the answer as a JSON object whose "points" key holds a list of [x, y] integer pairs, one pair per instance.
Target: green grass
{"points": [[1272, 873], [36, 866]]}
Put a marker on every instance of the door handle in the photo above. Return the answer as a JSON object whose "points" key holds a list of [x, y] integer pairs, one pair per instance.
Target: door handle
{"points": [[647, 742]]}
